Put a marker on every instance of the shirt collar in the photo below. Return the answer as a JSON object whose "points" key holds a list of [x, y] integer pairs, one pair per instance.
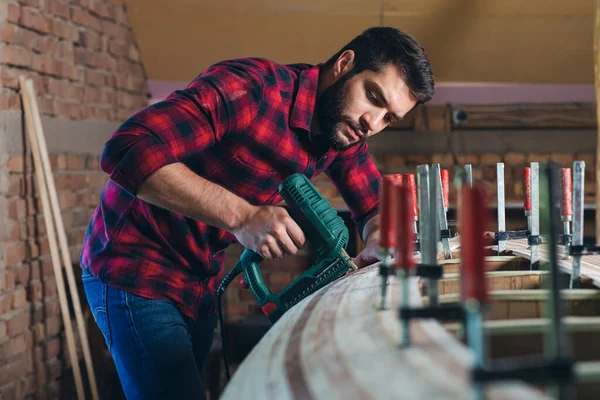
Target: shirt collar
{"points": [[303, 107]]}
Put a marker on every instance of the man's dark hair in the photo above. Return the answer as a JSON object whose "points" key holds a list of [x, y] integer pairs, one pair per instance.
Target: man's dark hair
{"points": [[380, 46]]}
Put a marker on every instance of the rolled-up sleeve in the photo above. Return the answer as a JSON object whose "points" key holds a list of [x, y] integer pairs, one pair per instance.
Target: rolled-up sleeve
{"points": [[357, 178], [221, 101]]}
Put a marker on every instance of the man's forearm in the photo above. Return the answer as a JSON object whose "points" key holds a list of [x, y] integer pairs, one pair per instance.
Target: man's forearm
{"points": [[177, 188], [371, 229]]}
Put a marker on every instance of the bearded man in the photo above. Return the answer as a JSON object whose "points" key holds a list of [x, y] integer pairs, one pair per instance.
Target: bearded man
{"points": [[200, 170]]}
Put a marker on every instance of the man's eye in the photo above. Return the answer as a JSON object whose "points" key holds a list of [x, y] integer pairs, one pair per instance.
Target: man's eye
{"points": [[371, 97]]}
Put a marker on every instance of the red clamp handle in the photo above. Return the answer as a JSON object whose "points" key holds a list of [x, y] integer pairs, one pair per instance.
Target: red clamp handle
{"points": [[411, 183], [405, 233], [527, 189], [398, 178], [446, 187], [387, 238], [566, 204], [473, 220]]}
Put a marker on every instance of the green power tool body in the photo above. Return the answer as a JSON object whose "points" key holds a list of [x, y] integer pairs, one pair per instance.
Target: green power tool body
{"points": [[327, 236]]}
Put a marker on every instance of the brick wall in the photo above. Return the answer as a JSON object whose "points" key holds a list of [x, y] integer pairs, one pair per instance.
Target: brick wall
{"points": [[87, 73], [81, 55]]}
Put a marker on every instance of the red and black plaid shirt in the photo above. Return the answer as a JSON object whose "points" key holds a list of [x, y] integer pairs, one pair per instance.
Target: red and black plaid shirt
{"points": [[243, 124]]}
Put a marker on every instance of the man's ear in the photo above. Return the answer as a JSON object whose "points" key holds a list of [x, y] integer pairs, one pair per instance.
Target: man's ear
{"points": [[343, 64]]}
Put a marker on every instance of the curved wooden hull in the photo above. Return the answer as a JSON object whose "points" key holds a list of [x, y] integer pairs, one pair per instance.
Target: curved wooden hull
{"points": [[336, 344]]}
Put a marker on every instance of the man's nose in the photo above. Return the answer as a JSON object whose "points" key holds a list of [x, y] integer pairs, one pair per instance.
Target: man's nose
{"points": [[374, 121]]}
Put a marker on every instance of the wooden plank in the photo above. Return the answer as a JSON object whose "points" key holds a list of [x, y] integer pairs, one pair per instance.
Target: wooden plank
{"points": [[532, 325], [29, 96], [335, 344], [492, 263], [590, 265], [33, 135], [496, 280]]}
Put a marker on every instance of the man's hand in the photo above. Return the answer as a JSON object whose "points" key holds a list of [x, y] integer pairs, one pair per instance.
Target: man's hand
{"points": [[368, 255], [270, 232]]}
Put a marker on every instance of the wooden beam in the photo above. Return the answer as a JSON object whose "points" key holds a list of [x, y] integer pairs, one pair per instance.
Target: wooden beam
{"points": [[532, 325], [597, 86], [530, 295], [33, 135]]}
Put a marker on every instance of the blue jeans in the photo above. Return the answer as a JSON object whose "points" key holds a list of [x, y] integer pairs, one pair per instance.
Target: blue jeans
{"points": [[158, 351]]}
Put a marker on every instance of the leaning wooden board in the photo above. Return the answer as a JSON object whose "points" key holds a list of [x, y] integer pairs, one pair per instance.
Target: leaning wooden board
{"points": [[335, 344]]}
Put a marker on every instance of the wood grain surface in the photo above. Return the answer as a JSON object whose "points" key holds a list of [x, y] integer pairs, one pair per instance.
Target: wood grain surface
{"points": [[336, 344]]}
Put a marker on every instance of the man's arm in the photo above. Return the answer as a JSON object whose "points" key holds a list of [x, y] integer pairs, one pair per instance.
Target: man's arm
{"points": [[144, 156], [269, 230], [370, 231]]}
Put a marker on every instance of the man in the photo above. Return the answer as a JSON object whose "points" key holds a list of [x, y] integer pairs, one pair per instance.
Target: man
{"points": [[200, 170]]}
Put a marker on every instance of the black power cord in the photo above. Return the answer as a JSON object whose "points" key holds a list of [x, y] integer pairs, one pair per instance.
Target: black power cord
{"points": [[220, 291]]}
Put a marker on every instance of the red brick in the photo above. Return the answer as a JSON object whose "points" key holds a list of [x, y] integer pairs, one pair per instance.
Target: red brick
{"points": [[17, 208], [13, 13], [49, 287], [53, 326], [102, 61], [58, 162], [14, 370], [91, 40], [36, 292], [2, 329], [63, 50], [490, 159], [514, 159], [9, 279], [34, 20], [24, 273], [65, 30], [469, 158], [101, 9], [38, 333], [17, 323], [564, 160], [17, 164], [19, 298], [9, 100], [5, 302], [445, 159], [75, 162], [12, 347], [7, 33], [32, 3], [53, 348], [51, 308], [14, 253], [84, 18], [21, 185], [92, 95], [115, 30], [417, 159], [59, 9]]}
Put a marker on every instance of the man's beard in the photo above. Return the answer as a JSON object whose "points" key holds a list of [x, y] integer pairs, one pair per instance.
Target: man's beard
{"points": [[330, 114]]}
